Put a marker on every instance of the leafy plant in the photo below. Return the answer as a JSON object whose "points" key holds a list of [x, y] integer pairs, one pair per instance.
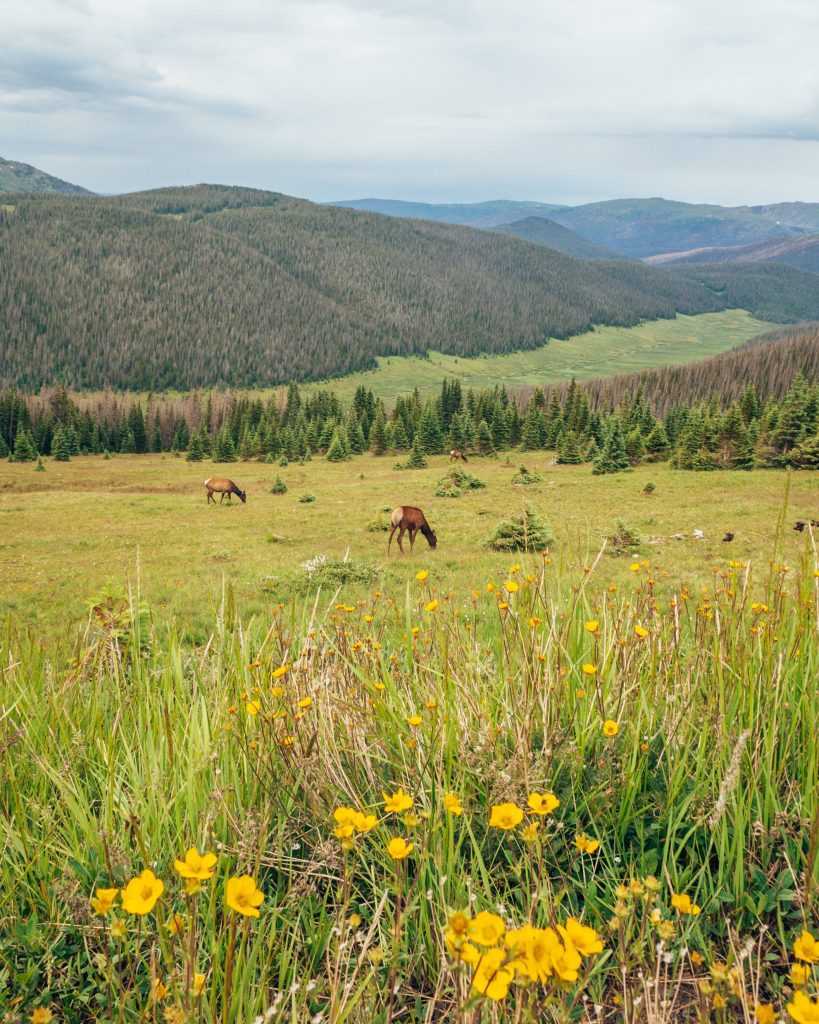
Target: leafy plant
{"points": [[525, 532]]}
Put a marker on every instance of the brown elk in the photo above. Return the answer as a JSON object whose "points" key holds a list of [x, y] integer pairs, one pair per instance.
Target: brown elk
{"points": [[221, 485], [455, 455], [408, 518]]}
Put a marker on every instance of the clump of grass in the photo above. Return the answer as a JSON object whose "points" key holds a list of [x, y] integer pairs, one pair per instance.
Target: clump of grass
{"points": [[307, 499], [526, 476], [456, 482], [649, 488], [624, 538], [378, 524], [322, 572], [528, 531]]}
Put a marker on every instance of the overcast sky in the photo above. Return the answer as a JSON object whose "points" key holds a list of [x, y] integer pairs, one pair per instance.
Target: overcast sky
{"points": [[441, 100]]}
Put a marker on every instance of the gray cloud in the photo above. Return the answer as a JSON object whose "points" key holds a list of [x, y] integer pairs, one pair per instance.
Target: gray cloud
{"points": [[454, 99]]}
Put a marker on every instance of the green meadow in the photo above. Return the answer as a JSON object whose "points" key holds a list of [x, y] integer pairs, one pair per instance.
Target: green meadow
{"points": [[599, 353], [568, 785], [142, 522]]}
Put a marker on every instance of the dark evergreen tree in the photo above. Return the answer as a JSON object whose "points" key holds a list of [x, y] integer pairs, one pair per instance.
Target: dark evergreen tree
{"points": [[224, 450], [60, 446], [613, 457], [430, 438], [339, 450]]}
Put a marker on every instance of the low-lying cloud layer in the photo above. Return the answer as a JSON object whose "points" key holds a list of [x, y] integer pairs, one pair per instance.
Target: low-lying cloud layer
{"points": [[454, 100]]}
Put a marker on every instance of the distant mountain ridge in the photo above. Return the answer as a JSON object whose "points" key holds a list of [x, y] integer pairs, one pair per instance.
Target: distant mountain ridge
{"points": [[796, 250], [485, 214], [543, 231], [16, 178], [637, 228]]}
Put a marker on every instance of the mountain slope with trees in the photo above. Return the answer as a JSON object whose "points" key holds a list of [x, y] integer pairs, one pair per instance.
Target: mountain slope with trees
{"points": [[23, 178], [547, 232], [179, 288], [796, 250], [769, 362]]}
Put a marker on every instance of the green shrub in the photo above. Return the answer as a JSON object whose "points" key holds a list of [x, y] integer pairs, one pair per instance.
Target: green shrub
{"points": [[307, 499], [279, 486], [625, 538], [456, 482], [525, 476], [525, 532]]}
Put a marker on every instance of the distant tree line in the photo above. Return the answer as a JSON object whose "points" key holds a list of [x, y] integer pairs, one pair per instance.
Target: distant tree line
{"points": [[750, 432]]}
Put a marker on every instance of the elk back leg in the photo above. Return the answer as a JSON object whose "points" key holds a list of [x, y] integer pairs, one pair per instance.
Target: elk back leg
{"points": [[392, 531], [401, 533]]}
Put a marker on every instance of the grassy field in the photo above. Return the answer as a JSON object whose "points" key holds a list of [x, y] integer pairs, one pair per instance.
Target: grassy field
{"points": [[143, 522], [598, 353], [416, 788]]}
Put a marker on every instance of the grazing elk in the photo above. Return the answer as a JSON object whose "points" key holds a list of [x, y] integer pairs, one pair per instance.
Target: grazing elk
{"points": [[455, 455], [407, 517], [221, 485]]}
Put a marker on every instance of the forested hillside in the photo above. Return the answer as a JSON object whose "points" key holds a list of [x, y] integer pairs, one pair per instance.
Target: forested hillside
{"points": [[796, 250], [769, 362], [547, 232], [16, 177], [774, 291], [181, 288]]}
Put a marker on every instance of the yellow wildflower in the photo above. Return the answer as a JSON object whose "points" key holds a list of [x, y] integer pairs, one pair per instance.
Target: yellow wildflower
{"points": [[452, 804], [415, 721], [584, 939], [529, 833], [198, 984], [102, 903], [682, 903], [640, 631], [764, 1013], [491, 978], [486, 929], [398, 802], [196, 865], [118, 928], [252, 707], [803, 1010], [399, 849], [592, 625], [176, 924], [41, 1015], [421, 576], [158, 990], [586, 845], [542, 803], [242, 896], [511, 587], [140, 895], [610, 727], [432, 606], [806, 948], [505, 816], [589, 669], [799, 975], [305, 702]]}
